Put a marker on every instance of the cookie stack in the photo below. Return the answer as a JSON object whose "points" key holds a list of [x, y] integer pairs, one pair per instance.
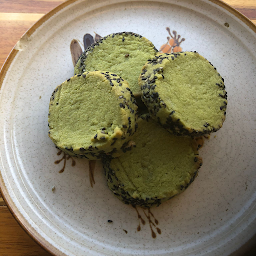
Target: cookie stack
{"points": [[140, 112]]}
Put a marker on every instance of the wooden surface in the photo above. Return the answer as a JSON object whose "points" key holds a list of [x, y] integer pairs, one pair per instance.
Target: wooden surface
{"points": [[16, 16]]}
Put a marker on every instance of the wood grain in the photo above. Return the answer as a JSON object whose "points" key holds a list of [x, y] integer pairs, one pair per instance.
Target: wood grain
{"points": [[14, 240], [16, 17], [238, 3], [28, 6], [11, 30]]}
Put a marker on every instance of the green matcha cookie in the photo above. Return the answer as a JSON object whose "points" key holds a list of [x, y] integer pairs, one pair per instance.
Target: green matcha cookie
{"points": [[160, 166], [92, 115], [122, 53], [184, 92]]}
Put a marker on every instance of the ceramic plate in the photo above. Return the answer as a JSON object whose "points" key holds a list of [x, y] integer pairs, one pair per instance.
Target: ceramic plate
{"points": [[214, 216]]}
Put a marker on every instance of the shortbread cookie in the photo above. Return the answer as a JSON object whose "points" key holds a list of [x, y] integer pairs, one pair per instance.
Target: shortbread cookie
{"points": [[160, 166], [92, 115], [185, 93]]}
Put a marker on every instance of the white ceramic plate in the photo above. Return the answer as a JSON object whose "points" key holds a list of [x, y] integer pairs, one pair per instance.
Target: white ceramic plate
{"points": [[214, 216]]}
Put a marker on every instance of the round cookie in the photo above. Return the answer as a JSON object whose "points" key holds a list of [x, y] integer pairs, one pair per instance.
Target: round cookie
{"points": [[92, 115], [185, 93], [122, 53], [160, 166]]}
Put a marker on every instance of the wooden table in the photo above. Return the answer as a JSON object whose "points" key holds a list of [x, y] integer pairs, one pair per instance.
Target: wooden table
{"points": [[16, 16]]}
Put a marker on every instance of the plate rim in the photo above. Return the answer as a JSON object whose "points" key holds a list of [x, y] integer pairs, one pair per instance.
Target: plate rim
{"points": [[3, 189]]}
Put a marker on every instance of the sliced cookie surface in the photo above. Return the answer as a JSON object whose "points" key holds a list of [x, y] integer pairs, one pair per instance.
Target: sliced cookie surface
{"points": [[92, 115], [122, 53], [160, 166], [185, 93]]}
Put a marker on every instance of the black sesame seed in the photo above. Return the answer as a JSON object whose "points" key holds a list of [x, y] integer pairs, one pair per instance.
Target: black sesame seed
{"points": [[113, 142], [223, 96], [155, 95]]}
